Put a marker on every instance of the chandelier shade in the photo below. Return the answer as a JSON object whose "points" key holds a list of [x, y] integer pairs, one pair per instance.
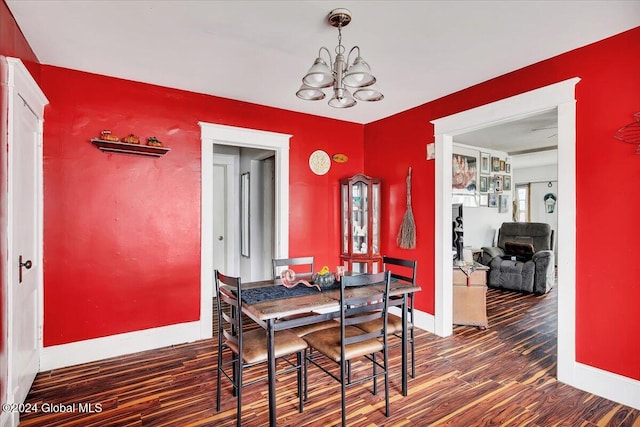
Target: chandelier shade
{"points": [[369, 93], [319, 75], [342, 98], [309, 93], [341, 73], [359, 74]]}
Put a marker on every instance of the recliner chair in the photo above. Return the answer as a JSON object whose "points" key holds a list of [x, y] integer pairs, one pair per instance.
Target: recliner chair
{"points": [[523, 260]]}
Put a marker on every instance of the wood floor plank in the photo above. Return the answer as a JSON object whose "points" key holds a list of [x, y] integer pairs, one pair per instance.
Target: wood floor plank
{"points": [[501, 376]]}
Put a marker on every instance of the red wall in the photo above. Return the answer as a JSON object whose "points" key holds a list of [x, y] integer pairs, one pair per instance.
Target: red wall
{"points": [[122, 233], [607, 170], [13, 43]]}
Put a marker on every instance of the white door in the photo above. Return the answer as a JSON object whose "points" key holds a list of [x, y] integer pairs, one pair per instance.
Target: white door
{"points": [[26, 103], [24, 331], [224, 205]]}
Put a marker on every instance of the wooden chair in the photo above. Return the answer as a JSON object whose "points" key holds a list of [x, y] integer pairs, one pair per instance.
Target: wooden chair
{"points": [[309, 261], [248, 348], [288, 262], [346, 342], [404, 270]]}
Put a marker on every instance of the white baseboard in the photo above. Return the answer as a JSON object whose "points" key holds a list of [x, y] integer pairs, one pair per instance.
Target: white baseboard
{"points": [[596, 381], [423, 320], [607, 384], [60, 356]]}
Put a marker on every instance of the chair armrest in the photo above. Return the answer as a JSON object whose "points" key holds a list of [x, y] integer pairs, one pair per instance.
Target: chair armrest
{"points": [[541, 255], [489, 253]]}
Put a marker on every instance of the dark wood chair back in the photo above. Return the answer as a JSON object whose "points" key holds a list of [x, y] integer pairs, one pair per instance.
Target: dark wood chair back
{"points": [[289, 262], [229, 295], [361, 305]]}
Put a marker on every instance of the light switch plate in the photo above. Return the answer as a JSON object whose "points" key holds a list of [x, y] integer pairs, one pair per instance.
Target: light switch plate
{"points": [[431, 151]]}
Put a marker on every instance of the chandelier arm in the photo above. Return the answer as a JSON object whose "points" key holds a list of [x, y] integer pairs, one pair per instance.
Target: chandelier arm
{"points": [[328, 53], [349, 55]]}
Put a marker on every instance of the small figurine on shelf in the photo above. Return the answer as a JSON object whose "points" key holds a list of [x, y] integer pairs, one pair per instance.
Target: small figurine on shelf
{"points": [[106, 135], [131, 139], [153, 141]]}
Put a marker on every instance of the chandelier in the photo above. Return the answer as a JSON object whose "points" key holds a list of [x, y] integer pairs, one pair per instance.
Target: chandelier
{"points": [[356, 75]]}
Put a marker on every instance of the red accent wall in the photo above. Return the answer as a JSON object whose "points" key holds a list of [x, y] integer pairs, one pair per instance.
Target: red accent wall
{"points": [[13, 43], [607, 170], [122, 232]]}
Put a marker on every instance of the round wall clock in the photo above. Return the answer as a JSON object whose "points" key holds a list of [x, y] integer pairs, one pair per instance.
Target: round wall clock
{"points": [[319, 162]]}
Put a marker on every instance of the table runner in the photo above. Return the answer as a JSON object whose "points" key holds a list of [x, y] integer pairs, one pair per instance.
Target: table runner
{"points": [[268, 293]]}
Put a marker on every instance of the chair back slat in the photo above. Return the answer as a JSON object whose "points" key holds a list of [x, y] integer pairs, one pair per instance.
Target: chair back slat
{"points": [[407, 270], [363, 318], [279, 264], [229, 308], [365, 336]]}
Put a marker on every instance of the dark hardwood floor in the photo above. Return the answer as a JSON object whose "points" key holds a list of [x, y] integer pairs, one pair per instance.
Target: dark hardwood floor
{"points": [[502, 376]]}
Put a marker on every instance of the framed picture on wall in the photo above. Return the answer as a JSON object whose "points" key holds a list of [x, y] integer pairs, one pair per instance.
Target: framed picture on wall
{"points": [[507, 183], [507, 168], [497, 183], [492, 200], [485, 163], [484, 200], [502, 165], [464, 178], [495, 164], [244, 214], [503, 206], [484, 186]]}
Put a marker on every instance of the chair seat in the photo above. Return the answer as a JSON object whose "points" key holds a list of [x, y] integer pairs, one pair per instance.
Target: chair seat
{"points": [[394, 324], [304, 330], [327, 341], [254, 345]]}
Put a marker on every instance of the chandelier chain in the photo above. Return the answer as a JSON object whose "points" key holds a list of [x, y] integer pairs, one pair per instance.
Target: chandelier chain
{"points": [[340, 49]]}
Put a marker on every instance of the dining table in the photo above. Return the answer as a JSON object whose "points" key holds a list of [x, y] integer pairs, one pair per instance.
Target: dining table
{"points": [[276, 307]]}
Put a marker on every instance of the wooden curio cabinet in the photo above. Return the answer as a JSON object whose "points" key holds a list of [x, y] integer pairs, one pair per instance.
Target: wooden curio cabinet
{"points": [[360, 224]]}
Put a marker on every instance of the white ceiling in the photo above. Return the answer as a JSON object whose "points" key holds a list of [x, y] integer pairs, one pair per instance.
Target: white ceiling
{"points": [[536, 133], [258, 51]]}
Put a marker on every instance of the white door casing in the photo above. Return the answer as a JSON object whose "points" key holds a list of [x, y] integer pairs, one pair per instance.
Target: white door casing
{"points": [[24, 274], [214, 134], [561, 96]]}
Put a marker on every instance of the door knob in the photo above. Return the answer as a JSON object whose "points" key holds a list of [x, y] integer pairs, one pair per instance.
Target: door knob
{"points": [[220, 238], [27, 264]]}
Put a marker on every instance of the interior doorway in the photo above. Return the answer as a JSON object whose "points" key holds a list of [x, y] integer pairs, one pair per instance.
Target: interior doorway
{"points": [[559, 96], [269, 145]]}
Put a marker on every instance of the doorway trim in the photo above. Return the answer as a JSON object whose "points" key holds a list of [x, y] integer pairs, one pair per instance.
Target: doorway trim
{"points": [[247, 138], [560, 96]]}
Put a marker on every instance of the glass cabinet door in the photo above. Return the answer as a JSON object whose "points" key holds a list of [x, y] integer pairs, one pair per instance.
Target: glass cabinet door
{"points": [[344, 211], [360, 217], [375, 207], [360, 222]]}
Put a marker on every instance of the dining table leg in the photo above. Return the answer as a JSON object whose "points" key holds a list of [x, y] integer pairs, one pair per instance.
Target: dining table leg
{"points": [[271, 369], [405, 334]]}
